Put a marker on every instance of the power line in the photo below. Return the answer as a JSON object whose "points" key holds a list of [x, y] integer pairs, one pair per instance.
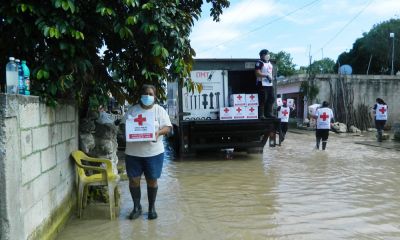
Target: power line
{"points": [[347, 24], [264, 25]]}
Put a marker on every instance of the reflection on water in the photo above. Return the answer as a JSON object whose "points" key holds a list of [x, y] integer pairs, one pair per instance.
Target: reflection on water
{"points": [[290, 192]]}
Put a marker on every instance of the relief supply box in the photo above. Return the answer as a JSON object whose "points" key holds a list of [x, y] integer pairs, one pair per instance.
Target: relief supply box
{"points": [[140, 128]]}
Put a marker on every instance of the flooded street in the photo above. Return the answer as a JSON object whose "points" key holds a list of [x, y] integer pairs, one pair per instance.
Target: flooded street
{"points": [[350, 191]]}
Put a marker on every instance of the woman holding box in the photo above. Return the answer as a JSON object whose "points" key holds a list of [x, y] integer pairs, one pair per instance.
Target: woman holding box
{"points": [[146, 157]]}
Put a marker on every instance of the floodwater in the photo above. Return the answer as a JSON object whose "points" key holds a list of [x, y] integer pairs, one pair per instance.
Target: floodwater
{"points": [[350, 191]]}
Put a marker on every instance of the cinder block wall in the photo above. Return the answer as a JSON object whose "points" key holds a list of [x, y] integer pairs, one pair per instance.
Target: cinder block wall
{"points": [[36, 175]]}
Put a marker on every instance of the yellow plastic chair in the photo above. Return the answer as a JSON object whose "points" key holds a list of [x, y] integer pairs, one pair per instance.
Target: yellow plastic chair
{"points": [[104, 176]]}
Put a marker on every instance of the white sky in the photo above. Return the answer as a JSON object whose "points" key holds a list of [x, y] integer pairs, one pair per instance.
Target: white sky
{"points": [[330, 27]]}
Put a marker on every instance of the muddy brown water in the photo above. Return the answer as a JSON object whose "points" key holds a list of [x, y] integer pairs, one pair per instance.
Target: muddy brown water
{"points": [[350, 191]]}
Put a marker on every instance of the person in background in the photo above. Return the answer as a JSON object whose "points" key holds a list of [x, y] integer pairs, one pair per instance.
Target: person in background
{"points": [[324, 117], [146, 157], [380, 111], [263, 71], [283, 114]]}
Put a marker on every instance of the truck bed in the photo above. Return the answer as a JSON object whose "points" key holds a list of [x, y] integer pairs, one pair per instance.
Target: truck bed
{"points": [[218, 134]]}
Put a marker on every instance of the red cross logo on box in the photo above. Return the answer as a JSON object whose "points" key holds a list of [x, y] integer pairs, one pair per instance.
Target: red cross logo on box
{"points": [[324, 116], [251, 109], [239, 97], [226, 110], [286, 113], [382, 110], [140, 120], [252, 97], [238, 109]]}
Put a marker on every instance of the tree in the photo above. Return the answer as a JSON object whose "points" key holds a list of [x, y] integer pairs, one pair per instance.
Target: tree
{"points": [[147, 41], [284, 63], [374, 49], [325, 65]]}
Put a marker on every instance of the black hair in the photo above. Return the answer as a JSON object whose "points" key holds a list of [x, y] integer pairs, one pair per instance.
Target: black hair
{"points": [[147, 86], [325, 104], [380, 101], [264, 52]]}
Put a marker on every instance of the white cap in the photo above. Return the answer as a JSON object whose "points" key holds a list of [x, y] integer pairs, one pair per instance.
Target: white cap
{"points": [[17, 60], [11, 58]]}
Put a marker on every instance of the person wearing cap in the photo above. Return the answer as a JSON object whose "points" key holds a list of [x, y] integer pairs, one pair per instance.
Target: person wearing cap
{"points": [[324, 117], [283, 114], [380, 115], [263, 71]]}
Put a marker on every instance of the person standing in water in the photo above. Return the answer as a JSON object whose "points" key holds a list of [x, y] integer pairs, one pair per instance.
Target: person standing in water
{"points": [[283, 114], [146, 157], [380, 111], [324, 117]]}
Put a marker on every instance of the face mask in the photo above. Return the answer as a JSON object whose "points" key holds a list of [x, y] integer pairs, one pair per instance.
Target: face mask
{"points": [[267, 57], [147, 100]]}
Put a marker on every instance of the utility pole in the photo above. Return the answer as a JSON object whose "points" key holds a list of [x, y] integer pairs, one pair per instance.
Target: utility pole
{"points": [[392, 36]]}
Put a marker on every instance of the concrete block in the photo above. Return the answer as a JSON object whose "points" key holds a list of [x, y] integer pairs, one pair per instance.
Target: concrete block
{"points": [[74, 130], [70, 113], [49, 202], [54, 176], [41, 187], [26, 143], [66, 131], [56, 133], [47, 114], [27, 197], [31, 167], [29, 115], [66, 171], [48, 159], [62, 153], [61, 113], [32, 219], [41, 138]]}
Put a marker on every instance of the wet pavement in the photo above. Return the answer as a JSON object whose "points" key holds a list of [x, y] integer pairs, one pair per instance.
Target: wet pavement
{"points": [[350, 191]]}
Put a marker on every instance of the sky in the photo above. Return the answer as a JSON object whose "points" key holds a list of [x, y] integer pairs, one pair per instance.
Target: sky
{"points": [[303, 28]]}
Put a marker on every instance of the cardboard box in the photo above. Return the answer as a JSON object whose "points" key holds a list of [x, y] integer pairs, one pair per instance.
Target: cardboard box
{"points": [[313, 108], [252, 112], [252, 99], [237, 100], [290, 102], [140, 128], [279, 102], [226, 113], [239, 113]]}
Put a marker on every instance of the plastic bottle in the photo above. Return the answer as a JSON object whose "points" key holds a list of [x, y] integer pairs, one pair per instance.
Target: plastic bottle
{"points": [[20, 77], [27, 81], [11, 76]]}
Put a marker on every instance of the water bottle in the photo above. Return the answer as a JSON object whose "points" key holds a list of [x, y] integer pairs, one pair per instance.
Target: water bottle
{"points": [[11, 76], [27, 81], [21, 89]]}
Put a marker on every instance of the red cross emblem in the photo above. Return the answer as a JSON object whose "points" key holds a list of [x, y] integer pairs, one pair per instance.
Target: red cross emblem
{"points": [[286, 113], [324, 116], [239, 97], [382, 110], [251, 109], [238, 109], [252, 97], [140, 120], [226, 110]]}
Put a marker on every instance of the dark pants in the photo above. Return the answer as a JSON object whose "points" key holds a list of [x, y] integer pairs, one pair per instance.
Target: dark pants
{"points": [[283, 129], [266, 97], [379, 125]]}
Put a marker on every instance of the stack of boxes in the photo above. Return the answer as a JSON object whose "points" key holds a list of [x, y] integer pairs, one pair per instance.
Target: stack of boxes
{"points": [[242, 106]]}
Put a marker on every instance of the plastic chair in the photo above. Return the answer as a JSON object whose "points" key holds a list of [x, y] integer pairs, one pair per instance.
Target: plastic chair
{"points": [[104, 176]]}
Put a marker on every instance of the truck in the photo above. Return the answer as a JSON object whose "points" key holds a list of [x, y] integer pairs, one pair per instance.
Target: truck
{"points": [[195, 116]]}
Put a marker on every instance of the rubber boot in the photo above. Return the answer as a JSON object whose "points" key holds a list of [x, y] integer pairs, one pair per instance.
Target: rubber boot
{"points": [[261, 114], [268, 110], [137, 208], [318, 141], [379, 135], [324, 145], [151, 196]]}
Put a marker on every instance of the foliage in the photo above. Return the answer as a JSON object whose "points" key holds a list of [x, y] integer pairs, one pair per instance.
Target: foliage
{"points": [[284, 63], [325, 65], [376, 44], [309, 89], [85, 49]]}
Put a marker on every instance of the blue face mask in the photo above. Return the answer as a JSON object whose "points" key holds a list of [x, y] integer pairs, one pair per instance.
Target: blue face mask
{"points": [[147, 100]]}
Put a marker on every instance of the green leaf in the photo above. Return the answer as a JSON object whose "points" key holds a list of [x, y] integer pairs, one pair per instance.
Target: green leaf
{"points": [[45, 74], [39, 74], [71, 6], [24, 7], [65, 5]]}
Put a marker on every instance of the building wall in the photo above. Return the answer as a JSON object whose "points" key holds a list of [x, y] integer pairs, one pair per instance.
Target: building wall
{"points": [[37, 177]]}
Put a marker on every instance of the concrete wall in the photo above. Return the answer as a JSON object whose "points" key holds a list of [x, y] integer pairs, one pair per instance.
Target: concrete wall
{"points": [[36, 175]]}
